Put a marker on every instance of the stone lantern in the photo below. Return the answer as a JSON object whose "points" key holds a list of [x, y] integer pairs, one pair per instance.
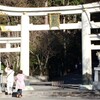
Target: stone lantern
{"points": [[98, 55]]}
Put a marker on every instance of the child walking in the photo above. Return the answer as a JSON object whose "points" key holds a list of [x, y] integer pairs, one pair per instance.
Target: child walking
{"points": [[20, 84]]}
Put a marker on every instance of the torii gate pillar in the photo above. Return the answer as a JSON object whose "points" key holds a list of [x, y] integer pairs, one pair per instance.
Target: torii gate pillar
{"points": [[86, 48], [25, 44]]}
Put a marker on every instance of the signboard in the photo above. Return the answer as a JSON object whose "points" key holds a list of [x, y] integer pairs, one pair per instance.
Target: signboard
{"points": [[54, 20]]}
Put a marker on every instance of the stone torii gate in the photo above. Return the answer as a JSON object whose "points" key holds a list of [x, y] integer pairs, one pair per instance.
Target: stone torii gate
{"points": [[85, 24]]}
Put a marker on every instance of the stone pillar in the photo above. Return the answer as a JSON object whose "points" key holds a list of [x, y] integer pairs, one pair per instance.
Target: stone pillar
{"points": [[86, 48], [25, 44]]}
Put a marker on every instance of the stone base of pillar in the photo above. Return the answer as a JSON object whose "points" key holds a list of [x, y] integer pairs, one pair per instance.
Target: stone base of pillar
{"points": [[87, 82], [86, 87], [87, 79]]}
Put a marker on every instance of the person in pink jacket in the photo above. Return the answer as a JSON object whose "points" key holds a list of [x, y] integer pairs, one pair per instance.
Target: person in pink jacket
{"points": [[20, 84]]}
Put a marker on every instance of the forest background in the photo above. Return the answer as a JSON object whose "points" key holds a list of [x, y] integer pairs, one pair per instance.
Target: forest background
{"points": [[52, 53]]}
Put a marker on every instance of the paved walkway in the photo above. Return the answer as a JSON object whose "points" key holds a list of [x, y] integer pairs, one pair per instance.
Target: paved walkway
{"points": [[45, 91], [42, 92]]}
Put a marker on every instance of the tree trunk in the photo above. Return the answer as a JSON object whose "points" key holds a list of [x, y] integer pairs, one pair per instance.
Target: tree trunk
{"points": [[40, 65]]}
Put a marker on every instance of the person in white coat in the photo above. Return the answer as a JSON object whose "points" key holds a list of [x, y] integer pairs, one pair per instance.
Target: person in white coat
{"points": [[9, 79]]}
